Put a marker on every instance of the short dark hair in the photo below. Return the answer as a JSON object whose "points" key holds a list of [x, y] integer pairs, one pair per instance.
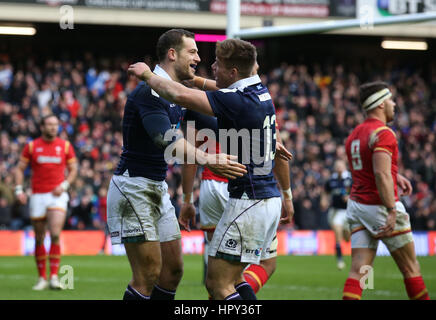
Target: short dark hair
{"points": [[42, 121], [171, 39], [239, 54], [369, 88]]}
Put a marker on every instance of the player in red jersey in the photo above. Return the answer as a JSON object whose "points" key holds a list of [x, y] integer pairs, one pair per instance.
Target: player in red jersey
{"points": [[48, 156], [374, 211]]}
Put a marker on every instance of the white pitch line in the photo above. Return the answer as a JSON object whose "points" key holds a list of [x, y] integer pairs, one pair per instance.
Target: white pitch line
{"points": [[332, 290]]}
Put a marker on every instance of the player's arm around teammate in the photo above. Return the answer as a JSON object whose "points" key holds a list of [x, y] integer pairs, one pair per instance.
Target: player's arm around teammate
{"points": [[222, 273], [147, 223], [187, 212]]}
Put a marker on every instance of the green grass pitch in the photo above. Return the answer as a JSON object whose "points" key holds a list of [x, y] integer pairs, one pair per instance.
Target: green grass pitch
{"points": [[296, 278]]}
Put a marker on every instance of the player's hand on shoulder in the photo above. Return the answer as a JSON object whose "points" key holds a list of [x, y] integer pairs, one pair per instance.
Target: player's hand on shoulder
{"points": [[282, 152], [225, 165], [187, 214], [139, 70]]}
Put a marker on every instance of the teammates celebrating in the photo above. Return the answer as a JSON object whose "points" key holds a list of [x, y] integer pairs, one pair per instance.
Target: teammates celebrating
{"points": [[250, 220], [140, 213]]}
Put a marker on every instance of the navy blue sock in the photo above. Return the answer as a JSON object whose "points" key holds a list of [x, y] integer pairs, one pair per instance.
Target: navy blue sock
{"points": [[233, 296], [338, 251], [132, 294], [245, 291], [159, 293]]}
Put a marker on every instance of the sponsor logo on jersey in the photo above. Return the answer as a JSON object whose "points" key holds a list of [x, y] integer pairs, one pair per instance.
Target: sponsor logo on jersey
{"points": [[264, 96], [48, 159]]}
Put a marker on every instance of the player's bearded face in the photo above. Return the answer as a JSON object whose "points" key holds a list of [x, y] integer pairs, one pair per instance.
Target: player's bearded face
{"points": [[50, 128], [187, 60], [389, 110]]}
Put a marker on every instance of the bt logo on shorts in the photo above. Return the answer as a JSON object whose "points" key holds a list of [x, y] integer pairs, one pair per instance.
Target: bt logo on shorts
{"points": [[231, 244], [256, 252]]}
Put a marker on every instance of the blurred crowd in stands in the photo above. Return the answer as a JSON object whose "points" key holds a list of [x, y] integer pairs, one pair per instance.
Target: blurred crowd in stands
{"points": [[317, 106]]}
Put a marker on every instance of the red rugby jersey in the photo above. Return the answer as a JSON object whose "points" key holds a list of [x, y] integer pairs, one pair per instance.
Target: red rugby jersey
{"points": [[371, 136], [209, 175], [48, 161]]}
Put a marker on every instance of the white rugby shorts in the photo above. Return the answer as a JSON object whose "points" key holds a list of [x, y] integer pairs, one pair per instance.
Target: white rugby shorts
{"points": [[140, 209], [40, 203], [365, 221], [271, 251], [337, 217], [246, 230], [212, 203]]}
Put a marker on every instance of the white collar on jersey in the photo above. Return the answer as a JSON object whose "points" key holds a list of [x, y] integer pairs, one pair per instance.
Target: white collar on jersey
{"points": [[161, 72], [246, 82]]}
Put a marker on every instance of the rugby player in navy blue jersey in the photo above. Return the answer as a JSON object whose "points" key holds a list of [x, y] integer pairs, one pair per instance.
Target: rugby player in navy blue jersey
{"points": [[212, 202], [245, 108], [338, 187], [140, 213]]}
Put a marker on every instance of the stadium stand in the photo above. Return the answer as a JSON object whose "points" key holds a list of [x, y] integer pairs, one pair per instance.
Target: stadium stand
{"points": [[316, 105]]}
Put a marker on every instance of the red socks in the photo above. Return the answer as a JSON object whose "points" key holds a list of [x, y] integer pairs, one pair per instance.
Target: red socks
{"points": [[352, 290], [40, 256], [416, 289], [256, 276], [55, 258]]}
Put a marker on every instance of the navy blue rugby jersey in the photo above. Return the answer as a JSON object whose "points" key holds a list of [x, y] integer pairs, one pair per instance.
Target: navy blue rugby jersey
{"points": [[245, 111], [140, 155], [338, 187]]}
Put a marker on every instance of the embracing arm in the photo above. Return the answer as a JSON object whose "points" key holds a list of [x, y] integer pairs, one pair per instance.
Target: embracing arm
{"points": [[220, 163], [205, 84], [192, 99]]}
